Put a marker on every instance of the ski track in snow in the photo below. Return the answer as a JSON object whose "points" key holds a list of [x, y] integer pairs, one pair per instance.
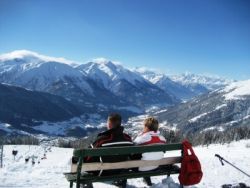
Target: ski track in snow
{"points": [[49, 173]]}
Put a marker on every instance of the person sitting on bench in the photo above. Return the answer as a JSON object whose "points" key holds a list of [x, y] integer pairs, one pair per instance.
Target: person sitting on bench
{"points": [[150, 135], [113, 137]]}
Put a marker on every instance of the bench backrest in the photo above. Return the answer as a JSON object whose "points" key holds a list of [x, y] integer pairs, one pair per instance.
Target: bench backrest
{"points": [[126, 150]]}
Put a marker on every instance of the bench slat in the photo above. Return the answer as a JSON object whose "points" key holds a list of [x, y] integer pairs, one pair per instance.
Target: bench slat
{"points": [[129, 175], [126, 150], [126, 164]]}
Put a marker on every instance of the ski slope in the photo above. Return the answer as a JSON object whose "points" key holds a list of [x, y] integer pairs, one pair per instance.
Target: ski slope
{"points": [[49, 173]]}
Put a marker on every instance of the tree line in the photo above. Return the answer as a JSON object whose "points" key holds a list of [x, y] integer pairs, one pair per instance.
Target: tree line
{"points": [[197, 138], [209, 136], [19, 140]]}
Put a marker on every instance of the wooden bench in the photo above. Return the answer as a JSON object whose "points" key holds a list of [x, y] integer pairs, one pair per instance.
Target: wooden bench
{"points": [[79, 176]]}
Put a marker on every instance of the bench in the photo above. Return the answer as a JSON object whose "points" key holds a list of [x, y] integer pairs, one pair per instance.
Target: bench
{"points": [[79, 176]]}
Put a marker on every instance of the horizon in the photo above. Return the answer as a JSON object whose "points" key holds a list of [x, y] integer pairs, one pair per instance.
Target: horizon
{"points": [[207, 38], [70, 62]]}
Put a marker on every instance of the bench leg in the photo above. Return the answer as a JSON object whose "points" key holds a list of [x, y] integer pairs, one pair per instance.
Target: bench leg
{"points": [[71, 184], [79, 169], [78, 184]]}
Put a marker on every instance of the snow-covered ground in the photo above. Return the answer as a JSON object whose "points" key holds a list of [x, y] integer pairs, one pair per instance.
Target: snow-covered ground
{"points": [[49, 173]]}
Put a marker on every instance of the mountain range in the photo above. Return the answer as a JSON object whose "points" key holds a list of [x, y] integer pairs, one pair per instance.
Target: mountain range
{"points": [[99, 86]]}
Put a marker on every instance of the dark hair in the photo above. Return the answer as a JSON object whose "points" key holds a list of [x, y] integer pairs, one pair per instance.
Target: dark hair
{"points": [[115, 119], [151, 123]]}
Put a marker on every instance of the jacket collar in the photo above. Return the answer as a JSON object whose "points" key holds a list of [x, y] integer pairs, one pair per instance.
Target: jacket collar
{"points": [[152, 133], [118, 130]]}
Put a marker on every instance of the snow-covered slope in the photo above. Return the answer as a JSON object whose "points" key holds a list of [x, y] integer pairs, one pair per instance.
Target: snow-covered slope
{"points": [[19, 107], [49, 173], [220, 109], [237, 90]]}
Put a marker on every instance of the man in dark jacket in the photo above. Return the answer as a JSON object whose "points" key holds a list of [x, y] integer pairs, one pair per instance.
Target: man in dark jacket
{"points": [[113, 137]]}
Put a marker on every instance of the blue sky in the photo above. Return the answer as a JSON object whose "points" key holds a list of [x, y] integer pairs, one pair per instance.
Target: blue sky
{"points": [[199, 36]]}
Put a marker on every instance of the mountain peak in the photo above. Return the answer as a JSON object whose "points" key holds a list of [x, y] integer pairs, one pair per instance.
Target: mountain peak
{"points": [[104, 61], [31, 56], [151, 75]]}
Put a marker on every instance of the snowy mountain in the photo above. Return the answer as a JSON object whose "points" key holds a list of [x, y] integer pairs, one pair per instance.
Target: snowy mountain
{"points": [[38, 72], [99, 83], [184, 86], [180, 90], [218, 110], [209, 82], [53, 75], [126, 84], [109, 73]]}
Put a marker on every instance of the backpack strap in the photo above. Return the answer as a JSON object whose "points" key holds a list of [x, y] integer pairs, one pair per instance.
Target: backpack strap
{"points": [[187, 146]]}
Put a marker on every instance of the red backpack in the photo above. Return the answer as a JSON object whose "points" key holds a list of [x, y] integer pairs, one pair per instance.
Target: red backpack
{"points": [[190, 173]]}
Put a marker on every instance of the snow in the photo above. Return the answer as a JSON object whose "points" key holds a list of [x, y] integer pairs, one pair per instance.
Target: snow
{"points": [[220, 106], [9, 129], [61, 128], [237, 90], [206, 113], [103, 60], [46, 174], [151, 75], [49, 173], [238, 120], [5, 127], [197, 117], [218, 128], [216, 175]]}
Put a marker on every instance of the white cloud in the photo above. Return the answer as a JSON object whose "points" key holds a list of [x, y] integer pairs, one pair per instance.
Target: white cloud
{"points": [[27, 53]]}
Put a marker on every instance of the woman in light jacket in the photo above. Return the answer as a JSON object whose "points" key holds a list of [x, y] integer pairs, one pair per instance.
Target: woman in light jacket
{"points": [[149, 136]]}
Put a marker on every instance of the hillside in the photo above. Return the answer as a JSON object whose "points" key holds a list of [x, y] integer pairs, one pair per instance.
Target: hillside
{"points": [[23, 108], [219, 110]]}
